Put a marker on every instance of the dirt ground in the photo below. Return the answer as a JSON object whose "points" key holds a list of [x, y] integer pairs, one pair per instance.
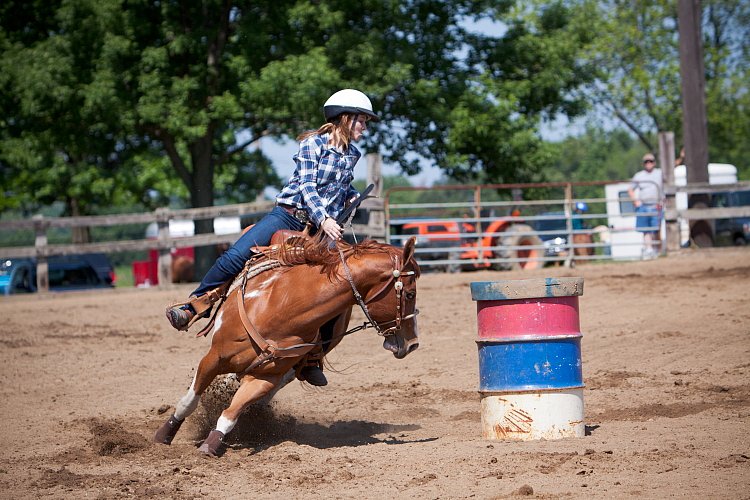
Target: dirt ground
{"points": [[88, 377]]}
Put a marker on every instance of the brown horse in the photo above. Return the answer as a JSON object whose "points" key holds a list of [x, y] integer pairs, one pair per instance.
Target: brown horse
{"points": [[274, 316]]}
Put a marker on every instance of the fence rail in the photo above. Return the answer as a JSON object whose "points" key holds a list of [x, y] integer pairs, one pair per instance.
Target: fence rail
{"points": [[164, 242], [385, 216], [476, 240]]}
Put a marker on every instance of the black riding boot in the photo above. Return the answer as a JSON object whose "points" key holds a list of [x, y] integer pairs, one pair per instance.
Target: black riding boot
{"points": [[313, 375]]}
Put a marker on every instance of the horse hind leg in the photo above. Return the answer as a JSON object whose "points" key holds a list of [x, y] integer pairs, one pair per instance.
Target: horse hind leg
{"points": [[251, 389], [188, 403]]}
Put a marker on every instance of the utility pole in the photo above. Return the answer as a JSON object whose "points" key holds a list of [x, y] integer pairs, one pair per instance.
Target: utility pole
{"points": [[695, 124]]}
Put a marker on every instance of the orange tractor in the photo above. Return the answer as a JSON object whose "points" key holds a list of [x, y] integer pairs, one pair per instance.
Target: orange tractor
{"points": [[513, 242]]}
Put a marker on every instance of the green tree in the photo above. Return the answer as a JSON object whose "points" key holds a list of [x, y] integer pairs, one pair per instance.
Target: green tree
{"points": [[525, 74], [636, 53], [726, 29], [595, 155], [58, 128], [152, 99]]}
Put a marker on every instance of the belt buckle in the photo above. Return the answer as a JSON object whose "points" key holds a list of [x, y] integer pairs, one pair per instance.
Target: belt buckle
{"points": [[301, 215]]}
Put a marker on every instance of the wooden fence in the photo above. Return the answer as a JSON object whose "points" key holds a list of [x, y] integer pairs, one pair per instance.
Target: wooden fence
{"points": [[375, 228], [164, 242]]}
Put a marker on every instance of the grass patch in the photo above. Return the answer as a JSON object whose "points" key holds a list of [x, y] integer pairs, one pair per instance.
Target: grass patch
{"points": [[124, 275]]}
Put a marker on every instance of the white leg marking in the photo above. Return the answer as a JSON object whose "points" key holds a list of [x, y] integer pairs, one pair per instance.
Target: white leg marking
{"points": [[225, 425], [187, 404]]}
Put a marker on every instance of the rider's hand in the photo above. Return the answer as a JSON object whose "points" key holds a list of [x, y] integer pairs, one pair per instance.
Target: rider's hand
{"points": [[331, 228]]}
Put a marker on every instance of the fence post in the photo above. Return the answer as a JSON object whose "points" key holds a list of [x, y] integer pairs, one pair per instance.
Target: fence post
{"points": [[666, 162], [165, 248], [569, 224], [480, 225], [375, 176], [40, 242]]}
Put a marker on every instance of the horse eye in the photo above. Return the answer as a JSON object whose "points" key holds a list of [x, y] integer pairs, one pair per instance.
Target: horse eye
{"points": [[411, 295]]}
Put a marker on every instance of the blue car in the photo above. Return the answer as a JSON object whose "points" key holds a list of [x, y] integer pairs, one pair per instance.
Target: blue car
{"points": [[69, 272], [734, 231]]}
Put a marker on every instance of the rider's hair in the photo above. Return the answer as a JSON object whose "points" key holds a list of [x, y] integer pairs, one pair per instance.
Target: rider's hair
{"points": [[340, 130]]}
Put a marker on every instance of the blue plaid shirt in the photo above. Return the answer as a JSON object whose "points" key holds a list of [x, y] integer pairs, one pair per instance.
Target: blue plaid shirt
{"points": [[322, 180]]}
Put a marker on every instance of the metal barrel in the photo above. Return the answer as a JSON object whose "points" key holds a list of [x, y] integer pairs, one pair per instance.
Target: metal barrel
{"points": [[530, 373]]}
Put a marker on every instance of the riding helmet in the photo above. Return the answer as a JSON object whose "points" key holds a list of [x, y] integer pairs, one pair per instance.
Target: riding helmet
{"points": [[348, 101]]}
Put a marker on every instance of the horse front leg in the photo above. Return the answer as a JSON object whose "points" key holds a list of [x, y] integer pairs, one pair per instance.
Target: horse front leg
{"points": [[207, 371], [252, 388]]}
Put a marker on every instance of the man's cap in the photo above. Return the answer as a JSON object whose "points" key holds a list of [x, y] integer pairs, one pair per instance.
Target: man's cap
{"points": [[649, 156]]}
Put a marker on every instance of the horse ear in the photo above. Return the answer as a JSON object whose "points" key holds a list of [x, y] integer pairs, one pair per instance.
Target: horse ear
{"points": [[409, 249]]}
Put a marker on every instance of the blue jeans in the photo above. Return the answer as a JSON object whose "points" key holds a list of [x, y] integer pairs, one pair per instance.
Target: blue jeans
{"points": [[648, 218], [231, 262]]}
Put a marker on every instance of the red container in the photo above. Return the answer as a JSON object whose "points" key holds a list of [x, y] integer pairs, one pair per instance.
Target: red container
{"points": [[142, 276]]}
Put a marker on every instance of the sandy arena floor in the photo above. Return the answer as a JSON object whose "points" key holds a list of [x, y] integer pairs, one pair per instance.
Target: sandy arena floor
{"points": [[88, 377]]}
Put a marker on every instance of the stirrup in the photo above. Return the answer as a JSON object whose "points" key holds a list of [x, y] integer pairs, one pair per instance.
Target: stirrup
{"points": [[201, 305], [180, 318]]}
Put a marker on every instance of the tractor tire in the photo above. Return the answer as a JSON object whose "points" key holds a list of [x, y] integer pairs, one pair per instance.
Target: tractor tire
{"points": [[524, 237]]}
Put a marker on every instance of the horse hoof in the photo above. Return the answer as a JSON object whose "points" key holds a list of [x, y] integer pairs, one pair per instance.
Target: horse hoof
{"points": [[167, 431], [213, 445]]}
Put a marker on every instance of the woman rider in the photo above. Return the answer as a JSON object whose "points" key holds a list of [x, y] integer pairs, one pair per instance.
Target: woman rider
{"points": [[316, 192]]}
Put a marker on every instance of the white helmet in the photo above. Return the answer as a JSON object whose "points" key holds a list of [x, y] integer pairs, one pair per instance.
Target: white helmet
{"points": [[348, 101]]}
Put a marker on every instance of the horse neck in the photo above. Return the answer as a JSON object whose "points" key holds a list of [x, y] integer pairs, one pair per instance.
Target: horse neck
{"points": [[371, 271]]}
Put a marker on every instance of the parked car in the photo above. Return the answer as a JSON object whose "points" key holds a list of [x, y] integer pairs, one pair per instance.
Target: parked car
{"points": [[69, 272], [734, 231], [553, 231]]}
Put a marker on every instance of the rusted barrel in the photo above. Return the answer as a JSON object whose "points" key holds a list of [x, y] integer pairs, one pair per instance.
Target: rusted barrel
{"points": [[530, 374]]}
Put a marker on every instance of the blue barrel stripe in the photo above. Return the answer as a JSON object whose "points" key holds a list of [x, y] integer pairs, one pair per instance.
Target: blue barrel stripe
{"points": [[527, 365]]}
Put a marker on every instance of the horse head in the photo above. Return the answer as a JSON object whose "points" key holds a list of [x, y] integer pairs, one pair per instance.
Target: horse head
{"points": [[393, 305]]}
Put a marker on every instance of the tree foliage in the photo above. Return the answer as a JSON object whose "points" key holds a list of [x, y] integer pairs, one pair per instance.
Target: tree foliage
{"points": [[58, 132], [596, 155], [636, 53], [114, 101], [525, 74]]}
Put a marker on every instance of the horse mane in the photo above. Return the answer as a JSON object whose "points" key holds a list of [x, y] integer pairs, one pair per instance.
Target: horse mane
{"points": [[318, 251]]}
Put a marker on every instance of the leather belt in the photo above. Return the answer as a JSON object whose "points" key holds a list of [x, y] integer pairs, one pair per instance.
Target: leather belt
{"points": [[298, 213]]}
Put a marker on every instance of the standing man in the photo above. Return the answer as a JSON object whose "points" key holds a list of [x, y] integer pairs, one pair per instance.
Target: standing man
{"points": [[646, 193]]}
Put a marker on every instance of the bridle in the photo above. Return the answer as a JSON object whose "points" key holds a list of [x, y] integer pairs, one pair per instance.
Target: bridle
{"points": [[397, 274]]}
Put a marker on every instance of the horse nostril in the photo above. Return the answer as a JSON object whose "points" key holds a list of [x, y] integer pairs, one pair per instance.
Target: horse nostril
{"points": [[413, 347]]}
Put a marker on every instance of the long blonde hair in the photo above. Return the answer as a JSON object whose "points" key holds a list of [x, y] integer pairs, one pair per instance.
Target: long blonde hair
{"points": [[341, 132]]}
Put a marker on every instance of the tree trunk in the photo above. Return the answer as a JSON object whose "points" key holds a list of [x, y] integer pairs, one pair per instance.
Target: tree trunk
{"points": [[80, 234], [202, 195]]}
